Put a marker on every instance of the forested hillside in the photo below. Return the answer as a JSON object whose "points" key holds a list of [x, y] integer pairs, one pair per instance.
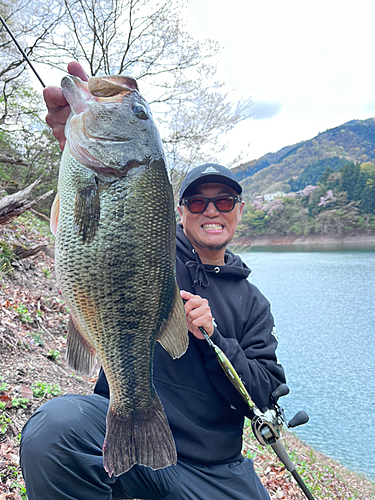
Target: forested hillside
{"points": [[341, 204], [294, 167], [321, 187]]}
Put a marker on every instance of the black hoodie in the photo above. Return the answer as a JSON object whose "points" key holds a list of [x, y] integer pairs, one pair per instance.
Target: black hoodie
{"points": [[204, 410]]}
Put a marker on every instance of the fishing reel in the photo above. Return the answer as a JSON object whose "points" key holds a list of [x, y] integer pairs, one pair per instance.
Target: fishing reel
{"points": [[267, 424]]}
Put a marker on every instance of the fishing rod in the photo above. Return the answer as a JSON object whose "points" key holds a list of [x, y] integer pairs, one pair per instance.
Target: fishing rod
{"points": [[20, 49], [266, 425]]}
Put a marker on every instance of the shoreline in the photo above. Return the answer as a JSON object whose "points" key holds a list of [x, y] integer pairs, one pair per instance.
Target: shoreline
{"points": [[320, 242]]}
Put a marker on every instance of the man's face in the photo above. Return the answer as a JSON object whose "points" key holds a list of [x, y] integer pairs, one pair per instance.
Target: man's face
{"points": [[212, 230]]}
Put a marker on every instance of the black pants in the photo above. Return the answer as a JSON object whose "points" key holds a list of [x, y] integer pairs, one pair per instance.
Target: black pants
{"points": [[61, 459]]}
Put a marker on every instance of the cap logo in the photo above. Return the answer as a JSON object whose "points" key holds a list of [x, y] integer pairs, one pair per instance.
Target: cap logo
{"points": [[210, 170]]}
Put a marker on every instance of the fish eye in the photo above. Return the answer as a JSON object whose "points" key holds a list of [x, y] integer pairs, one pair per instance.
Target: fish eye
{"points": [[140, 112]]}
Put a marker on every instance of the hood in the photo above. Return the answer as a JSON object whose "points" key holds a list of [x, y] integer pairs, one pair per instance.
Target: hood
{"points": [[233, 267]]}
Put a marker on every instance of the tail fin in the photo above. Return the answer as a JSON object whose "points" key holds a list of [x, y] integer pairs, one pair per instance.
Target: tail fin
{"points": [[143, 438]]}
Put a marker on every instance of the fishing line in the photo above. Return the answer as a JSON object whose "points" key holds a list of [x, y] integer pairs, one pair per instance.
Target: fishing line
{"points": [[20, 49]]}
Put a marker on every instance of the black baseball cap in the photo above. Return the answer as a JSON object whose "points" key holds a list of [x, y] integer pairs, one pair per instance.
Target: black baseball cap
{"points": [[209, 172]]}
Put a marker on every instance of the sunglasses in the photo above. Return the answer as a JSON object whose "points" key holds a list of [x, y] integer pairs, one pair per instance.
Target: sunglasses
{"points": [[198, 204]]}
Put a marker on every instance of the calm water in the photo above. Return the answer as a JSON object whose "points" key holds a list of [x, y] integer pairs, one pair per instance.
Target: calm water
{"points": [[324, 309]]}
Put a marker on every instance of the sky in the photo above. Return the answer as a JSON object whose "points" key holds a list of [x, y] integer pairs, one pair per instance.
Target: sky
{"points": [[307, 66]]}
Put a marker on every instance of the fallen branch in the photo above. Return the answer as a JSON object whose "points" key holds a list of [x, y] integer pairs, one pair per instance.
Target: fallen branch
{"points": [[16, 204], [13, 160], [23, 253], [39, 215]]}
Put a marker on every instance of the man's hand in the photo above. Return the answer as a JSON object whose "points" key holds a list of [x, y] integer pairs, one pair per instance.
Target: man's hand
{"points": [[57, 105], [198, 313]]}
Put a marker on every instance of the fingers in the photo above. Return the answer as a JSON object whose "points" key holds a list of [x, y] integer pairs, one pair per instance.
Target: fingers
{"points": [[54, 98], [58, 112], [75, 69], [57, 105], [198, 314]]}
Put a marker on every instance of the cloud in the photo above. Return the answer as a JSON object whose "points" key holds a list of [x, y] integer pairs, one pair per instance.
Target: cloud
{"points": [[263, 110]]}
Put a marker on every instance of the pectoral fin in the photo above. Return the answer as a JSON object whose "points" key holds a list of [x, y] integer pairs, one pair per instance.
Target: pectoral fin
{"points": [[87, 210], [174, 335], [80, 355]]}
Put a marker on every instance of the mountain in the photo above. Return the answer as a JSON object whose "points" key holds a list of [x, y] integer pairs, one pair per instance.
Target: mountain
{"points": [[294, 167]]}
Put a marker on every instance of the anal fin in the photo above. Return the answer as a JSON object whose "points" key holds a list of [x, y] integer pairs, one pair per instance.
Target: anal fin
{"points": [[80, 354], [174, 334]]}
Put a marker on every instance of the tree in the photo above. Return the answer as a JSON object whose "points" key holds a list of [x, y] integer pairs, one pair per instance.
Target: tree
{"points": [[27, 149], [144, 37], [148, 39], [31, 23], [350, 174]]}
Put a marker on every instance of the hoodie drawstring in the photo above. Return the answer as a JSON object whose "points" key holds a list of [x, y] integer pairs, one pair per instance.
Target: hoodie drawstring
{"points": [[201, 277]]}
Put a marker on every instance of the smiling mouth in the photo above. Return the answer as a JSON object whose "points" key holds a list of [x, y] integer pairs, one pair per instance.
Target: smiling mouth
{"points": [[212, 227]]}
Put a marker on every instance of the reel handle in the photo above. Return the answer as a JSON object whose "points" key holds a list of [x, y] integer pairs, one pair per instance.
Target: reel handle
{"points": [[280, 391], [299, 418]]}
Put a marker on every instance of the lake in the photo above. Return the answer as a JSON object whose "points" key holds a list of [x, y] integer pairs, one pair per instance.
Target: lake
{"points": [[324, 309]]}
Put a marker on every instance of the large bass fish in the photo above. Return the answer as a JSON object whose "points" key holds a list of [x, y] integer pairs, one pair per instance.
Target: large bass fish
{"points": [[114, 222]]}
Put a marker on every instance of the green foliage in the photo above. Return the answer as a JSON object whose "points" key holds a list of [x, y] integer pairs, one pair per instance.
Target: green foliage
{"points": [[6, 257], [343, 202], [313, 173], [368, 168], [4, 387], [37, 338], [25, 135], [253, 222], [23, 313], [47, 273], [41, 389], [21, 488], [53, 354], [20, 402], [4, 423], [358, 183]]}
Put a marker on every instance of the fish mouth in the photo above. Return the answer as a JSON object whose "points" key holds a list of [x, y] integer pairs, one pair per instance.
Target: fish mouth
{"points": [[110, 129], [109, 89], [110, 86], [212, 227]]}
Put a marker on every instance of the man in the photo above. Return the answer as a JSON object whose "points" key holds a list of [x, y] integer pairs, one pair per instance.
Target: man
{"points": [[61, 448]]}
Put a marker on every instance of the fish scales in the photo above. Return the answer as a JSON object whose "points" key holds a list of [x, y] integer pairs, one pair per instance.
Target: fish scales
{"points": [[116, 270]]}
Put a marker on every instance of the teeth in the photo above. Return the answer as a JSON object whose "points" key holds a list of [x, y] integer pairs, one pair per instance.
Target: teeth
{"points": [[212, 227]]}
